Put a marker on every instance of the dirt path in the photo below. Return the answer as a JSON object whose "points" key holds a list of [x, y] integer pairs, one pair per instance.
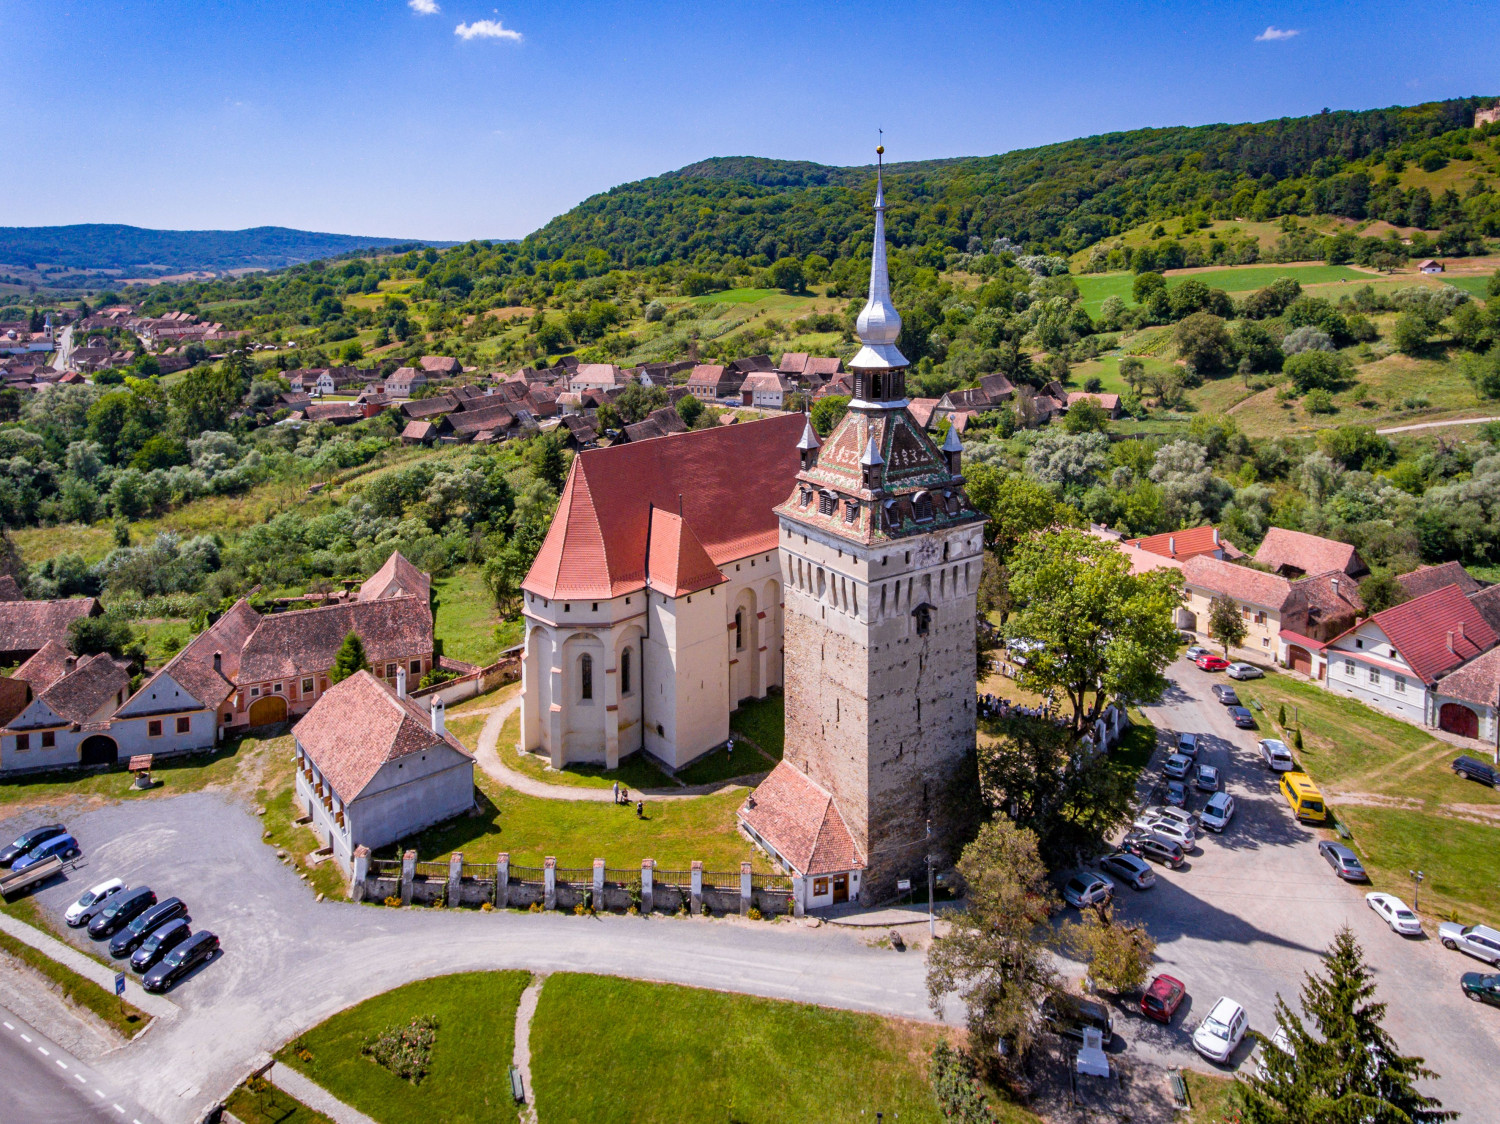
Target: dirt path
{"points": [[490, 758], [1435, 424]]}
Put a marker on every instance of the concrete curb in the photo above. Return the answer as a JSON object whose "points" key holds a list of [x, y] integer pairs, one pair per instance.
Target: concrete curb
{"points": [[314, 1096], [154, 1005]]}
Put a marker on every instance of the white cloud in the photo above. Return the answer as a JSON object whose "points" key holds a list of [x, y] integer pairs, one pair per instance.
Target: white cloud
{"points": [[1269, 35], [486, 29], [424, 7]]}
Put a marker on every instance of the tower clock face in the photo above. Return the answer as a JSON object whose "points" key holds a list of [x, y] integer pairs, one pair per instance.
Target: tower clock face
{"points": [[927, 552]]}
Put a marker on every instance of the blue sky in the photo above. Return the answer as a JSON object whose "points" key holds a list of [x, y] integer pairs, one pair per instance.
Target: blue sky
{"points": [[375, 117]]}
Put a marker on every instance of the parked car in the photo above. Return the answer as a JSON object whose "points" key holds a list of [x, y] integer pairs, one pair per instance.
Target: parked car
{"points": [[1187, 745], [1218, 811], [1221, 1030], [1130, 869], [1277, 756], [26, 842], [197, 949], [1196, 650], [1068, 1015], [1209, 662], [1206, 778], [158, 943], [128, 939], [1242, 717], [1148, 846], [86, 907], [1162, 997], [1239, 670], [1476, 770], [1477, 940], [120, 911], [1177, 766], [62, 846], [1345, 862], [1283, 1042], [1174, 833], [1480, 988], [1180, 816], [1087, 889], [1395, 913], [1176, 795], [1225, 694]]}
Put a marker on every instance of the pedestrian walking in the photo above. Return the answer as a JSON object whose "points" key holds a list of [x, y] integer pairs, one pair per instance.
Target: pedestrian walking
{"points": [[616, 791]]}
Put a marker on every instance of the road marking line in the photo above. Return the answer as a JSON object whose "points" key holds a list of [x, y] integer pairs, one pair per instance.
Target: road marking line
{"points": [[79, 1077], [118, 1109], [62, 1063], [98, 1092], [46, 1053], [25, 1038], [9, 1027]]}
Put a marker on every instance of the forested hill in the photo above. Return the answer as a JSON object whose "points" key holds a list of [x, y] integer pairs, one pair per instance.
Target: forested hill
{"points": [[1061, 197], [110, 246]]}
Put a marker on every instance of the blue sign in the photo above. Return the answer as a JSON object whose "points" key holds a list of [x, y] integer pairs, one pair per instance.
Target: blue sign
{"points": [[119, 983]]}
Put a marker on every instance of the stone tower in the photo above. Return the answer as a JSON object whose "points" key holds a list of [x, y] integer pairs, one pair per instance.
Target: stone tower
{"points": [[881, 554]]}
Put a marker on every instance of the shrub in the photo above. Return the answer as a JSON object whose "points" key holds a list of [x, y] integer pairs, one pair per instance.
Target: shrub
{"points": [[1319, 401], [1297, 738], [754, 914], [1316, 369], [1306, 338], [1281, 716], [404, 1050], [534, 907], [486, 907], [956, 1088], [393, 901]]}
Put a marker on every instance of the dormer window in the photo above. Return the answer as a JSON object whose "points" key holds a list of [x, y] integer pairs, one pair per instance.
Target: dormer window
{"points": [[827, 502], [851, 510], [921, 507], [806, 496]]}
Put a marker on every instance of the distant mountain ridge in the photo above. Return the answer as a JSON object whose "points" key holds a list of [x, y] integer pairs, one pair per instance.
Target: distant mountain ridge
{"points": [[134, 250]]}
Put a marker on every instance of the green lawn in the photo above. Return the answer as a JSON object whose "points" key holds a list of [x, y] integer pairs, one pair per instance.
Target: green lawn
{"points": [[636, 772], [156, 635], [763, 721], [126, 1019], [1353, 751], [1210, 1097], [172, 776], [576, 832], [465, 618], [282, 832], [469, 1081], [606, 1049], [257, 1101], [721, 765], [1096, 287]]}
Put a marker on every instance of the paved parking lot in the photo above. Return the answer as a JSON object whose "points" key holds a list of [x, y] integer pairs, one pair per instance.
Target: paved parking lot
{"points": [[1253, 909]]}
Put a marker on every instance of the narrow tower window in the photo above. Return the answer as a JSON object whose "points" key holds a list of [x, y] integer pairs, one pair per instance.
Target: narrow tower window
{"points": [[739, 630], [586, 677], [625, 672]]}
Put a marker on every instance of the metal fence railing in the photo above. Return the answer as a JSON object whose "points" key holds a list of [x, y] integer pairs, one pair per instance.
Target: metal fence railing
{"points": [[525, 874], [721, 880], [431, 870], [481, 871], [385, 868], [770, 882], [584, 875], [683, 878], [622, 877]]}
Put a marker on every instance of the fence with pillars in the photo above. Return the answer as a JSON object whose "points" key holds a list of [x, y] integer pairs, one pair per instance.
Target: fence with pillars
{"points": [[600, 887]]}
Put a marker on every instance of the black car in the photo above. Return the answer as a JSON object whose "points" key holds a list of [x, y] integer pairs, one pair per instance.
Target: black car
{"points": [[1465, 766], [1345, 862], [1150, 847], [158, 943], [1225, 694], [26, 842], [1068, 1015], [1242, 717], [1481, 988], [129, 938], [197, 949], [122, 909]]}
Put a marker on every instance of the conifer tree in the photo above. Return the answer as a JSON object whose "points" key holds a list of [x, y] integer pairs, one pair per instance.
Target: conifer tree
{"points": [[350, 658], [1342, 1066]]}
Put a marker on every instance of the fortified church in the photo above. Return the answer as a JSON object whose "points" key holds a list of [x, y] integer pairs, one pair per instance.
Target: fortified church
{"points": [[684, 575]]}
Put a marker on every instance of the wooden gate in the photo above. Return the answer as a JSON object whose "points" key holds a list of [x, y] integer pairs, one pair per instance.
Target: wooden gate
{"points": [[1300, 659], [1458, 719], [267, 709]]}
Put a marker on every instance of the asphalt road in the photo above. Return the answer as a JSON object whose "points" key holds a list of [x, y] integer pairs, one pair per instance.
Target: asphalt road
{"points": [[1253, 909], [44, 1084]]}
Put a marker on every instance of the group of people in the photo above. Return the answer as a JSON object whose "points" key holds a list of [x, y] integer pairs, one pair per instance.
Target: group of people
{"points": [[622, 796], [992, 706]]}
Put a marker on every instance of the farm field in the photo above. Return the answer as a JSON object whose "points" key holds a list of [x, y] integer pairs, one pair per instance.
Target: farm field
{"points": [[1234, 279]]}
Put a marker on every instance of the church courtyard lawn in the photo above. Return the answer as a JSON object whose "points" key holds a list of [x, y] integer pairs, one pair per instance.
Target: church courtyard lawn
{"points": [[1390, 784], [635, 772], [763, 721], [170, 777], [576, 832], [468, 1081], [465, 618], [257, 1101], [721, 765]]}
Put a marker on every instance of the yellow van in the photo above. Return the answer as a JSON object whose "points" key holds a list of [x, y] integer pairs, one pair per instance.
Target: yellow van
{"points": [[1304, 797]]}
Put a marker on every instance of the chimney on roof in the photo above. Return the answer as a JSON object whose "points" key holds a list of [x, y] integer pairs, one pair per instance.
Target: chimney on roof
{"points": [[401, 682], [1335, 583], [69, 662], [1172, 545], [1450, 641], [1216, 536], [679, 505], [219, 662], [1460, 630], [438, 726]]}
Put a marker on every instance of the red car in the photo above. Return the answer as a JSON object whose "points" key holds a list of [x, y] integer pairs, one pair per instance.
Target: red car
{"points": [[1212, 663], [1162, 998]]}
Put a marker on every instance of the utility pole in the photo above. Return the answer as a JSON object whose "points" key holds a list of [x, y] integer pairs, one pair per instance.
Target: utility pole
{"points": [[931, 911]]}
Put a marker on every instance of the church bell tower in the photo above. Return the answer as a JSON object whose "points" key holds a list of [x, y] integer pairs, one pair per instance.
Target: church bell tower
{"points": [[881, 554]]}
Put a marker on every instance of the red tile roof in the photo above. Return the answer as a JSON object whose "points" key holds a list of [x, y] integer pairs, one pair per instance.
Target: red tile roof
{"points": [[1436, 632], [94, 683], [676, 562], [418, 431], [792, 362], [441, 365], [46, 667], [359, 725], [25, 626], [1477, 681], [397, 578], [1100, 399], [801, 822], [285, 645], [193, 670], [1184, 544], [1309, 553], [727, 479], [1425, 579], [1141, 561], [823, 366], [921, 409], [709, 374], [1241, 583]]}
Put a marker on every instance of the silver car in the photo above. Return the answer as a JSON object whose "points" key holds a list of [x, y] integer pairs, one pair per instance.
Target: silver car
{"points": [[1477, 940], [1177, 766], [1218, 811], [1277, 756], [1243, 671]]}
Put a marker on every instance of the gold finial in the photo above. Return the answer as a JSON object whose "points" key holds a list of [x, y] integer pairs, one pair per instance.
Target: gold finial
{"points": [[880, 150]]}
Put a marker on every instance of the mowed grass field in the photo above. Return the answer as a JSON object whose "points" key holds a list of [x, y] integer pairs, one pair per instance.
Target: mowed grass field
{"points": [[1391, 785], [1235, 279]]}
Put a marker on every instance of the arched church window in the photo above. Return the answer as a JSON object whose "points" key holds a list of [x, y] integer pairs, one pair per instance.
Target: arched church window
{"points": [[625, 672], [739, 630], [921, 507], [586, 677]]}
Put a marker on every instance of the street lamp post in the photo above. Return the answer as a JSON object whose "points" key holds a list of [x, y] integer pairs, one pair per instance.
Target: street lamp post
{"points": [[931, 914], [1416, 901]]}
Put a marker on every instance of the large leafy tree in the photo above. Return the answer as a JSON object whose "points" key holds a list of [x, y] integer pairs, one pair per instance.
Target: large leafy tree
{"points": [[993, 955], [1342, 1067], [1094, 632], [1226, 623]]}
